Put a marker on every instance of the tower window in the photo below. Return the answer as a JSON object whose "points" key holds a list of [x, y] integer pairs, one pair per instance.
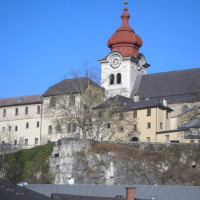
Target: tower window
{"points": [[50, 129], [74, 128], [27, 125], [38, 109], [112, 79], [72, 100], [16, 111], [135, 127], [36, 140], [149, 112], [58, 128], [4, 113], [16, 128], [52, 102], [26, 111], [69, 130], [26, 142], [38, 124], [148, 125], [119, 78]]}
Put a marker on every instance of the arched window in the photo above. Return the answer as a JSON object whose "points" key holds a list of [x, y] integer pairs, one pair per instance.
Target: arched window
{"points": [[134, 139], [26, 111], [38, 109], [112, 79], [119, 78], [50, 129], [71, 100], [16, 111], [52, 102]]}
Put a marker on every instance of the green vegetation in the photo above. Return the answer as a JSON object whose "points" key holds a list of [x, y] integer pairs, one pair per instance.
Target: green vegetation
{"points": [[29, 165]]}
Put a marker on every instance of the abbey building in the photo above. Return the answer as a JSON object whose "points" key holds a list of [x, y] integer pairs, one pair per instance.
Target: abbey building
{"points": [[160, 107]]}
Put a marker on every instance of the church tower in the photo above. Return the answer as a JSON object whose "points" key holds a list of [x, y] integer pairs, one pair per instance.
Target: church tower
{"points": [[124, 63]]}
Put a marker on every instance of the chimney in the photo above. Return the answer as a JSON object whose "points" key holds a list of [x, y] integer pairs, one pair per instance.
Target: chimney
{"points": [[136, 98], [130, 193], [165, 102]]}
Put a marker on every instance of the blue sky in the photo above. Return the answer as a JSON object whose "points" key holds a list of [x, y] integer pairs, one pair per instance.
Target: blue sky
{"points": [[41, 41]]}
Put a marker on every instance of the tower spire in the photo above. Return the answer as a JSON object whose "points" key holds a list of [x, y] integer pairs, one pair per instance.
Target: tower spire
{"points": [[125, 40]]}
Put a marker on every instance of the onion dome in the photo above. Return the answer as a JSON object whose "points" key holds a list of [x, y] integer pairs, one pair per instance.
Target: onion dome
{"points": [[124, 40]]}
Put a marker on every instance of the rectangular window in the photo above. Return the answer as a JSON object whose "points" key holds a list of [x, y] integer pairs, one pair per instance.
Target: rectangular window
{"points": [[16, 111], [135, 127], [15, 142], [74, 128], [135, 114], [148, 139], [148, 125], [4, 113], [167, 138], [26, 142], [16, 128], [121, 129], [167, 115], [69, 128], [149, 112], [9, 128], [36, 140], [38, 124], [38, 109], [161, 125], [108, 125], [26, 111], [27, 125]]}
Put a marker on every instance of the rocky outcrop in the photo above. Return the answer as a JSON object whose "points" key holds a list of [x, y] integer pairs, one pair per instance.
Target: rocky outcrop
{"points": [[90, 162]]}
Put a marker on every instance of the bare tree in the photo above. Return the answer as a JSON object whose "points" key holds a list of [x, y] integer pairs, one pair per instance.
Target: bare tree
{"points": [[75, 105], [6, 141]]}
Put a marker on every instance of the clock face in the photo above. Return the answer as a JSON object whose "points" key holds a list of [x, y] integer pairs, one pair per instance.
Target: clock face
{"points": [[139, 66], [115, 62]]}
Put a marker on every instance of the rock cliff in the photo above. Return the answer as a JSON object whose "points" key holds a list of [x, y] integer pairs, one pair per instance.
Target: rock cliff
{"points": [[91, 162]]}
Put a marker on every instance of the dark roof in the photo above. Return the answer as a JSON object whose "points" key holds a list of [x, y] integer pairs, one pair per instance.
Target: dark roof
{"points": [[79, 197], [193, 123], [125, 104], [69, 86], [9, 191], [192, 137], [164, 192], [22, 100], [114, 101], [175, 86]]}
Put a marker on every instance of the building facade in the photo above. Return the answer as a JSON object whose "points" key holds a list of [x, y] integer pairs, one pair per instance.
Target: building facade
{"points": [[149, 106]]}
